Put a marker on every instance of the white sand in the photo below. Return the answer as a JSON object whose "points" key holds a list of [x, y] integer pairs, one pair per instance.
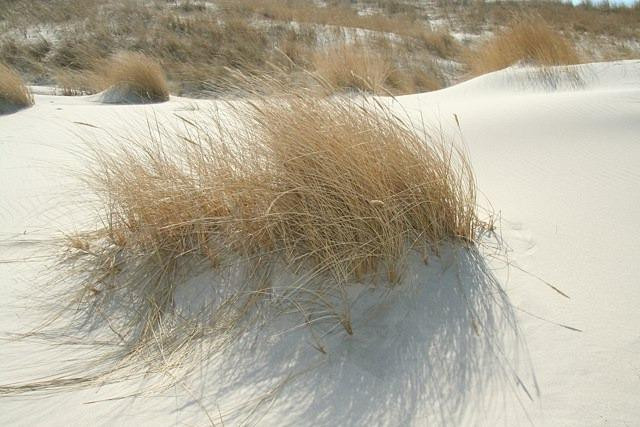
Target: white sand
{"points": [[561, 166]]}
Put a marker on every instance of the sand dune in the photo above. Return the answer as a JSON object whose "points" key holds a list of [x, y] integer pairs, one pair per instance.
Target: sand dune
{"points": [[559, 163]]}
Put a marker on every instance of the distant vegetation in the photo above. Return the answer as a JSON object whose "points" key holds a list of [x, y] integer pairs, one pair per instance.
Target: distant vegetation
{"points": [[328, 190], [383, 46]]}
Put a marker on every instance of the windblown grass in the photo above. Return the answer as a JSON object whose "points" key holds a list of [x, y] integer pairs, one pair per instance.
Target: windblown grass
{"points": [[326, 192], [13, 93], [530, 41], [134, 77]]}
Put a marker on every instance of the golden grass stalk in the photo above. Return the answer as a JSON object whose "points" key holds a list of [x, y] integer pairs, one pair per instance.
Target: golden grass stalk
{"points": [[14, 95], [530, 40], [135, 77]]}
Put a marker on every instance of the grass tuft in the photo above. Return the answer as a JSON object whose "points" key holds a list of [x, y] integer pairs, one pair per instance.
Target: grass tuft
{"points": [[530, 41], [326, 192], [14, 95], [134, 77]]}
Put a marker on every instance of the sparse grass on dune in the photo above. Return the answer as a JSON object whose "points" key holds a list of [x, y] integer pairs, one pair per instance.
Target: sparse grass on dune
{"points": [[405, 25], [615, 20], [529, 40], [75, 83], [337, 14], [199, 42], [134, 77], [14, 95], [374, 67], [198, 45]]}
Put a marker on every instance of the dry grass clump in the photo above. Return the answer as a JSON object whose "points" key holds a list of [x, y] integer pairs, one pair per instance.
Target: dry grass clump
{"points": [[328, 192], [530, 40], [134, 77], [336, 13], [331, 181], [14, 95]]}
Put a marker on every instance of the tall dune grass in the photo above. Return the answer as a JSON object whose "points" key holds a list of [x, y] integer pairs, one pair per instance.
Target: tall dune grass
{"points": [[14, 95], [530, 40]]}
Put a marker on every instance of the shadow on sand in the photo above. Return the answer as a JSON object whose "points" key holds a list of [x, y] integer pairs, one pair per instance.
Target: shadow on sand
{"points": [[441, 349]]}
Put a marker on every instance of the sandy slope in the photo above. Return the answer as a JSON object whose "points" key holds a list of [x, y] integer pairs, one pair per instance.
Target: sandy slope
{"points": [[560, 165]]}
